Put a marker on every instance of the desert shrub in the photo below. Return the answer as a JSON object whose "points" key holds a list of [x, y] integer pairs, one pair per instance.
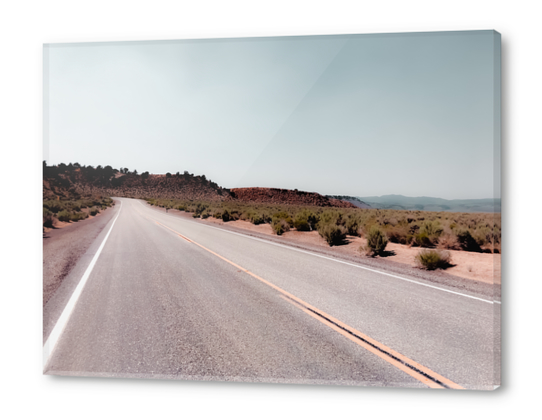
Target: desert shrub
{"points": [[330, 217], [93, 211], [413, 229], [398, 235], [421, 239], [466, 241], [431, 259], [333, 234], [448, 241], [283, 215], [75, 217], [234, 215], [353, 224], [483, 235], [53, 206], [205, 214], [376, 240], [280, 226], [86, 203], [225, 216], [432, 228], [63, 216], [200, 208], [256, 219], [281, 222], [428, 234], [47, 218], [301, 221], [266, 217]]}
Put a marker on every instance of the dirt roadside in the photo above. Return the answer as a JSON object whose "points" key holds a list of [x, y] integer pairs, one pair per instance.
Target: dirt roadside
{"points": [[62, 248]]}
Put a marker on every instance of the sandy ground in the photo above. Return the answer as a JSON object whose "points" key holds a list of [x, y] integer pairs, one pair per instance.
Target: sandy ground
{"points": [[470, 265], [64, 245]]}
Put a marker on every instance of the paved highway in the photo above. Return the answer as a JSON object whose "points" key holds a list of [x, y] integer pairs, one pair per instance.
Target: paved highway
{"points": [[163, 296]]}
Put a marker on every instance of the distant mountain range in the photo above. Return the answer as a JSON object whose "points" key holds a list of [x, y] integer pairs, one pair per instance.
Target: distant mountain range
{"points": [[401, 202]]}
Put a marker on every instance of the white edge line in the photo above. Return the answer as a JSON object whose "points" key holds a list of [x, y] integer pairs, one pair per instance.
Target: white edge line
{"points": [[55, 334], [344, 262]]}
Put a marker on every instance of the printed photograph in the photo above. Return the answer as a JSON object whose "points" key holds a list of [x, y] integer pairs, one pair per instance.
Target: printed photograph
{"points": [[312, 210]]}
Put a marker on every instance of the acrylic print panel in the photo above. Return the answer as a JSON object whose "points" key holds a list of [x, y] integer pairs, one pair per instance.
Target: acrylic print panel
{"points": [[304, 210]]}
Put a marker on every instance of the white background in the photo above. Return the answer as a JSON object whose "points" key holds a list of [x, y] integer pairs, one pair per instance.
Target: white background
{"points": [[26, 25]]}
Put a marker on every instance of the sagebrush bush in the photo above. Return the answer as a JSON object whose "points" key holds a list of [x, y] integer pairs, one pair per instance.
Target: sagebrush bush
{"points": [[466, 241], [422, 239], [429, 233], [376, 240], [448, 241], [63, 216], [226, 216], [431, 259], [200, 208], [281, 222], [353, 224], [332, 233], [53, 205], [280, 226], [301, 222], [398, 235], [48, 218], [283, 215], [256, 219], [75, 217], [333, 217]]}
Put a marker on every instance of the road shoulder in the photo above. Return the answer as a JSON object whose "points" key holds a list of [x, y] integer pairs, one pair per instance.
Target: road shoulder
{"points": [[66, 254]]}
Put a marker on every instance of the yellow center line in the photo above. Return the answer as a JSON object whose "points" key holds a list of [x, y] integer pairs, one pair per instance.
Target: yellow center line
{"points": [[398, 360]]}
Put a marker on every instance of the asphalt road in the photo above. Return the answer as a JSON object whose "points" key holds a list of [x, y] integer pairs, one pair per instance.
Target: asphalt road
{"points": [[168, 297]]}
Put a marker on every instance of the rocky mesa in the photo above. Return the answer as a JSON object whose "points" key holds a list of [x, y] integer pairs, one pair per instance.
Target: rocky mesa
{"points": [[282, 196]]}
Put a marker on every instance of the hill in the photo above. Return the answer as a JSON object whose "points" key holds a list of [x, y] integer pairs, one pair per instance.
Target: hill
{"points": [[353, 200], [401, 202], [75, 181], [282, 196]]}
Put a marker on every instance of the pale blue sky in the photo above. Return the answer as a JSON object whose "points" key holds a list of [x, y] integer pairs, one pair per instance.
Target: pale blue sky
{"points": [[363, 115]]}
